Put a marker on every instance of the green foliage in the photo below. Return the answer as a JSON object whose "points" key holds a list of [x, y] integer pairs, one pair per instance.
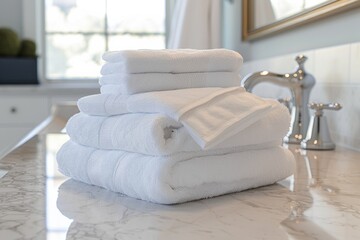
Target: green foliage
{"points": [[9, 43], [11, 46], [27, 48]]}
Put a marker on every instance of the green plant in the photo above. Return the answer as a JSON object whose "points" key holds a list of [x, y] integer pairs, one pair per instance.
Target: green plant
{"points": [[9, 43], [27, 48]]}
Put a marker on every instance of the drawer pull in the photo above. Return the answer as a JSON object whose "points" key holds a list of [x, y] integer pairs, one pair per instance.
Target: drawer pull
{"points": [[13, 110]]}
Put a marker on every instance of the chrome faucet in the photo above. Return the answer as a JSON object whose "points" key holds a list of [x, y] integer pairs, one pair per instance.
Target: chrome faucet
{"points": [[300, 84]]}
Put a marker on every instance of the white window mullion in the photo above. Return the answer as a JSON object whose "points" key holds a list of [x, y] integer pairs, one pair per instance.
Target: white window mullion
{"points": [[170, 6], [33, 28]]}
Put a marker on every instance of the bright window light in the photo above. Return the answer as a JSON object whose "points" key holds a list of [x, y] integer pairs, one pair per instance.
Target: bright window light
{"points": [[78, 32]]}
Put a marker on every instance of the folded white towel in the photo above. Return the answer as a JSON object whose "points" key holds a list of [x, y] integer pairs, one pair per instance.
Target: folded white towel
{"points": [[210, 115], [112, 89], [171, 61], [156, 134], [103, 104], [148, 82], [175, 179]]}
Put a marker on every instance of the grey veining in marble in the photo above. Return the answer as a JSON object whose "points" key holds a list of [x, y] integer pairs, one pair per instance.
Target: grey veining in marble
{"points": [[321, 201]]}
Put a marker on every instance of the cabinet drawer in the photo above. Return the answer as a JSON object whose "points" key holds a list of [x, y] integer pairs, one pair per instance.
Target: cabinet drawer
{"points": [[21, 110]]}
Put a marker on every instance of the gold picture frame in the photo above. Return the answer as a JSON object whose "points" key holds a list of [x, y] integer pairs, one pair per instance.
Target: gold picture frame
{"points": [[249, 32]]}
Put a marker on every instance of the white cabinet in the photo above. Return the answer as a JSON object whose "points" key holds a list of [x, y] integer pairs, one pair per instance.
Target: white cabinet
{"points": [[18, 116], [10, 137], [22, 108]]}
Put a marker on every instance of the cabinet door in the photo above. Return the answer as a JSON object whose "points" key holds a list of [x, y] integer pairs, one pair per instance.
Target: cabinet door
{"points": [[10, 137]]}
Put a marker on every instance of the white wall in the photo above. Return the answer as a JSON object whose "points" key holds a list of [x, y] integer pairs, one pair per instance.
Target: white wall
{"points": [[333, 47], [22, 16], [335, 30], [337, 75], [11, 15]]}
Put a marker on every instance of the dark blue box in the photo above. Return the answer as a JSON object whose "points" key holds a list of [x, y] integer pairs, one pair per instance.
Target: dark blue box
{"points": [[18, 71]]}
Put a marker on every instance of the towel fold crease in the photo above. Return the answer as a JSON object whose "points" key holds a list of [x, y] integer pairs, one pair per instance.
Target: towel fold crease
{"points": [[210, 115], [171, 61], [177, 178], [157, 134], [128, 84]]}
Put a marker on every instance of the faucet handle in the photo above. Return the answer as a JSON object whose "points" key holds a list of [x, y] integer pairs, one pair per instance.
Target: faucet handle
{"points": [[301, 59], [318, 135], [319, 107]]}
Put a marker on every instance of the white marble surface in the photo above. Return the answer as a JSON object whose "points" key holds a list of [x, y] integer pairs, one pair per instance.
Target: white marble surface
{"points": [[321, 201]]}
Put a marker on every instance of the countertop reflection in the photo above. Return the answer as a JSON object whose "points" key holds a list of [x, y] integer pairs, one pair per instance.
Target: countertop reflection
{"points": [[321, 201]]}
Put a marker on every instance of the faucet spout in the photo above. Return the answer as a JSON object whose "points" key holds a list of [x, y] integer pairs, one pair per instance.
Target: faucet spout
{"points": [[251, 80], [300, 84]]}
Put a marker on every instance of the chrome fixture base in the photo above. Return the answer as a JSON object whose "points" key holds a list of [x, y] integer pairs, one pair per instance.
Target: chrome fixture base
{"points": [[300, 84], [318, 136]]}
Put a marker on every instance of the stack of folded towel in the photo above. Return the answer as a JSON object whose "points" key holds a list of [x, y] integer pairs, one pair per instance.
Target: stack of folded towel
{"points": [[130, 72], [172, 126]]}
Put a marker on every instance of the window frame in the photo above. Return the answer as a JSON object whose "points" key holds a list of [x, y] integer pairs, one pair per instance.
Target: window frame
{"points": [[37, 17]]}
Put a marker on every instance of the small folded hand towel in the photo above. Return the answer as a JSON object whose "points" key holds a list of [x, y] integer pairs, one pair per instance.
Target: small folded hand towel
{"points": [[157, 134], [103, 104], [147, 82], [171, 61], [210, 115], [113, 89], [176, 178]]}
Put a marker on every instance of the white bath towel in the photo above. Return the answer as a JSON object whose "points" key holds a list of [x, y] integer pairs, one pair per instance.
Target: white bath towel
{"points": [[210, 115], [103, 104], [148, 82], [171, 61], [179, 178], [113, 89], [156, 134]]}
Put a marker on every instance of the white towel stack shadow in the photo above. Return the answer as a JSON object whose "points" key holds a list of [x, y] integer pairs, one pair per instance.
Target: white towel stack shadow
{"points": [[172, 126]]}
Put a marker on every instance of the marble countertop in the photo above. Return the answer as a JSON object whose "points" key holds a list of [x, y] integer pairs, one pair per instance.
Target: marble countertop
{"points": [[321, 201]]}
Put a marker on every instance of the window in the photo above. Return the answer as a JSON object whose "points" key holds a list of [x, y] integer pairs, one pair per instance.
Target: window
{"points": [[78, 32]]}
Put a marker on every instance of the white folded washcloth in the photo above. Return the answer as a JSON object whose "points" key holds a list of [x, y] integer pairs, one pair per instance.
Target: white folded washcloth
{"points": [[156, 134], [178, 178], [210, 115], [148, 82], [171, 61]]}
